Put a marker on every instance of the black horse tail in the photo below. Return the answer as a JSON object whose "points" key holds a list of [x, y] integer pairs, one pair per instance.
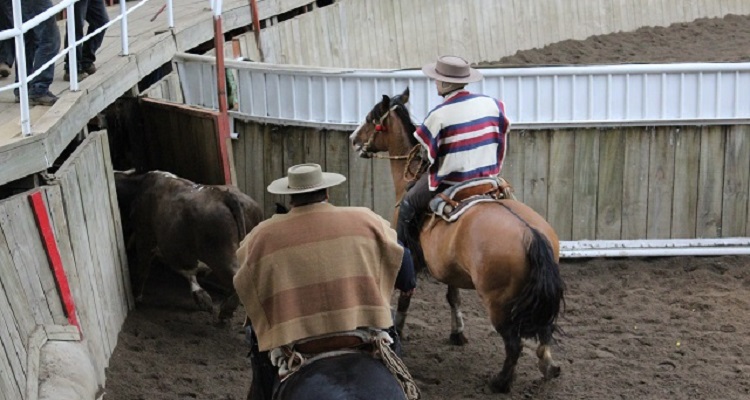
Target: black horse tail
{"points": [[533, 313]]}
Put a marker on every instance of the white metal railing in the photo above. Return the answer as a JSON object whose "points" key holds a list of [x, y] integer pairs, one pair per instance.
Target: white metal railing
{"points": [[672, 94], [610, 95], [20, 27]]}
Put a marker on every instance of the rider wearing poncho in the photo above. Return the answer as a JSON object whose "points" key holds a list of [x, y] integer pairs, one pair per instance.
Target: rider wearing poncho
{"points": [[463, 138], [317, 270]]}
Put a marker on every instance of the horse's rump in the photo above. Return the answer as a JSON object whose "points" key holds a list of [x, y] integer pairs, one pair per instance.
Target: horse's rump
{"points": [[352, 376]]}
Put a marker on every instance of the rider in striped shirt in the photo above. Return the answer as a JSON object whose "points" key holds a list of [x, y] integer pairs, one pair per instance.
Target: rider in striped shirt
{"points": [[465, 137]]}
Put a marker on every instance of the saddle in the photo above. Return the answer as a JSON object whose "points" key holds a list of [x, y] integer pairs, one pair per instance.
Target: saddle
{"points": [[454, 201]]}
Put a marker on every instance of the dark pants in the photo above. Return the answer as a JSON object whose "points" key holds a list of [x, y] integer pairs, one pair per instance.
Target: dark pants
{"points": [[265, 375], [7, 47], [95, 14], [411, 210], [42, 43]]}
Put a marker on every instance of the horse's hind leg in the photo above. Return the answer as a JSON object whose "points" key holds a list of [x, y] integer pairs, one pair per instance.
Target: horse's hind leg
{"points": [[457, 319], [513, 346], [547, 366]]}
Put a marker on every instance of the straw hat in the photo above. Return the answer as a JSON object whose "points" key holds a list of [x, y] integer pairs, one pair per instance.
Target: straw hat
{"points": [[305, 178], [452, 69]]}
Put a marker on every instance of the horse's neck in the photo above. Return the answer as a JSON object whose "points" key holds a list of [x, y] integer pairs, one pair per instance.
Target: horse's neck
{"points": [[399, 146], [397, 174]]}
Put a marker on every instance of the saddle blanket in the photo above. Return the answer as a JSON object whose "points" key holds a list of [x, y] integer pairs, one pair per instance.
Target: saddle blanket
{"points": [[454, 201]]}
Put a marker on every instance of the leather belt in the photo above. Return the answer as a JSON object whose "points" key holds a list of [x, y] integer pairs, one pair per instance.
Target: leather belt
{"points": [[332, 343]]}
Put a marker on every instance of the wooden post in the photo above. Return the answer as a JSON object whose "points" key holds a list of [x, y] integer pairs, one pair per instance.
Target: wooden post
{"points": [[256, 27]]}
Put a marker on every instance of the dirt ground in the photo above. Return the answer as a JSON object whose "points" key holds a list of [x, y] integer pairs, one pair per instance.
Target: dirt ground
{"points": [[658, 328]]}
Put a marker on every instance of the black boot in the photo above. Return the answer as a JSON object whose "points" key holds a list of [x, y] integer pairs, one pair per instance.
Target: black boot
{"points": [[407, 230]]}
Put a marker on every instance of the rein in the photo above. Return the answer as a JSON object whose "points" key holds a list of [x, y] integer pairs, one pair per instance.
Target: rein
{"points": [[409, 174], [380, 127]]}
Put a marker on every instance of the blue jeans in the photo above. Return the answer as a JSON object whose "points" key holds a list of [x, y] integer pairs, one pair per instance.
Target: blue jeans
{"points": [[95, 13], [42, 43]]}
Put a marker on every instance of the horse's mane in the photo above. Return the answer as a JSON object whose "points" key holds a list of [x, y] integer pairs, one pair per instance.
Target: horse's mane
{"points": [[403, 114]]}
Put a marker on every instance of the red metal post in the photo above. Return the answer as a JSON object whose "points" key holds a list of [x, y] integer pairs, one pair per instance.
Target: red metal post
{"points": [[221, 85]]}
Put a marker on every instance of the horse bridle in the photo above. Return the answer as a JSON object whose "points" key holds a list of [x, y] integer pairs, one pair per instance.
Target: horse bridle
{"points": [[380, 127]]}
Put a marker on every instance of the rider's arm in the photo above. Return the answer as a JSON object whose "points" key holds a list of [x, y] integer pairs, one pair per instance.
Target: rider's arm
{"points": [[406, 280]]}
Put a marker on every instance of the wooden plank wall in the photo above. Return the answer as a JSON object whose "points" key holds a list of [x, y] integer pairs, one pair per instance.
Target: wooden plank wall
{"points": [[81, 204], [409, 33], [87, 223], [591, 184], [263, 153]]}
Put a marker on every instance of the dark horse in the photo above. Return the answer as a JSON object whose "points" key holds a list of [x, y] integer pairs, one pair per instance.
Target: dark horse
{"points": [[355, 376], [504, 250]]}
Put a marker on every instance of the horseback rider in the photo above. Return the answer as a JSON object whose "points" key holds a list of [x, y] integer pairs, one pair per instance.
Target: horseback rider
{"points": [[463, 138], [313, 279]]}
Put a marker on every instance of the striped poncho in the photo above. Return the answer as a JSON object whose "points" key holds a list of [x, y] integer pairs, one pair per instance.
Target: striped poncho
{"points": [[465, 138], [318, 269]]}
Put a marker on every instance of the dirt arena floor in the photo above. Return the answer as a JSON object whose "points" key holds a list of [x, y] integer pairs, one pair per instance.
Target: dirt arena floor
{"points": [[645, 328]]}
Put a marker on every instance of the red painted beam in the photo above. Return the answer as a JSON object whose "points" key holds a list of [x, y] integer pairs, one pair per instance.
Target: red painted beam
{"points": [[221, 85], [53, 256]]}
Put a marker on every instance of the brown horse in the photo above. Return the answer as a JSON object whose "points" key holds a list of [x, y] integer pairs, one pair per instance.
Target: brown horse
{"points": [[503, 249]]}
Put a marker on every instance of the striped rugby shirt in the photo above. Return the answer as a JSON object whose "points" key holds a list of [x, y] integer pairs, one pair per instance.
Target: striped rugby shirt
{"points": [[466, 138], [318, 269]]}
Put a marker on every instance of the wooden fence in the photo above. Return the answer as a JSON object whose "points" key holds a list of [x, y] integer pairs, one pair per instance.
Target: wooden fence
{"points": [[409, 33], [80, 202], [591, 184]]}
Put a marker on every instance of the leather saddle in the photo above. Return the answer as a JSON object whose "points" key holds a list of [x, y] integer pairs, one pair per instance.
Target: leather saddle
{"points": [[455, 200]]}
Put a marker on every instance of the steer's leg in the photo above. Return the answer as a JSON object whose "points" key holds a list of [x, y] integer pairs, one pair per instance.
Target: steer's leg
{"points": [[144, 255], [200, 295], [225, 277]]}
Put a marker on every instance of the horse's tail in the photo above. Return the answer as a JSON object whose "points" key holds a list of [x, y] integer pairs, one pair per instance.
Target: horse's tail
{"points": [[533, 313]]}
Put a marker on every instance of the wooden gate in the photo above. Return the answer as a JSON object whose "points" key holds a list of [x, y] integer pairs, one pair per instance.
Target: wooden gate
{"points": [[185, 140]]}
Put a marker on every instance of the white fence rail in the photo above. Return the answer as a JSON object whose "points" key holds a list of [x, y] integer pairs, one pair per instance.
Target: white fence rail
{"points": [[20, 28], [580, 96]]}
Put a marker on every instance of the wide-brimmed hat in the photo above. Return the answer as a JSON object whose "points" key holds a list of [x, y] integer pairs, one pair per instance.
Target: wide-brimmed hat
{"points": [[452, 69], [305, 178]]}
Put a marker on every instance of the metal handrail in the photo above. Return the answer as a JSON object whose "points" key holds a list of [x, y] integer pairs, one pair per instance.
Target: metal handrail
{"points": [[20, 27]]}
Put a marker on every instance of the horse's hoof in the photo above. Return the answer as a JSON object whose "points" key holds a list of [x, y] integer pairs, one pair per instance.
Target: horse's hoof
{"points": [[403, 335], [499, 385], [458, 339], [550, 371], [203, 300]]}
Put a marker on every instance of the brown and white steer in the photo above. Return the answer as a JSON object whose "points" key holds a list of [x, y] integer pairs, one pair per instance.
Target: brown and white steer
{"points": [[188, 226]]}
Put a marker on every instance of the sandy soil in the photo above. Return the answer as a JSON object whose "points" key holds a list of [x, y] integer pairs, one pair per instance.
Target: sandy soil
{"points": [[660, 328], [663, 328], [703, 40]]}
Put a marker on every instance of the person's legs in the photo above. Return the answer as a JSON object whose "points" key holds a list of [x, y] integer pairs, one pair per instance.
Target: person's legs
{"points": [[265, 375], [96, 16], [80, 15], [412, 207], [47, 44]]}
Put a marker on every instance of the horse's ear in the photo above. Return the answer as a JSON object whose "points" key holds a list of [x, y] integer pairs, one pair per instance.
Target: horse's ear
{"points": [[386, 102], [405, 96]]}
